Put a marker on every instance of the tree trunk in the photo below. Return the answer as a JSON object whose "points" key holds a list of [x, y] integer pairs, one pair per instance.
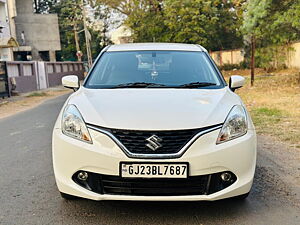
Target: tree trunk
{"points": [[77, 42], [36, 6], [87, 36], [252, 59]]}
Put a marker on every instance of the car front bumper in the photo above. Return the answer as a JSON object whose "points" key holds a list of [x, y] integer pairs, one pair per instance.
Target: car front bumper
{"points": [[104, 156]]}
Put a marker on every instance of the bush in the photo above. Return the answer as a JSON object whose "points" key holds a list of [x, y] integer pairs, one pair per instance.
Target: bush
{"points": [[272, 57], [242, 65]]}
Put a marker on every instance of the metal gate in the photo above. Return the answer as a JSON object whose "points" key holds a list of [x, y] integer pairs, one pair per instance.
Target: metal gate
{"points": [[4, 89]]}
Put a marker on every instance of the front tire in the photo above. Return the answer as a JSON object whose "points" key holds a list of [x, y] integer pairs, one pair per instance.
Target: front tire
{"points": [[68, 197]]}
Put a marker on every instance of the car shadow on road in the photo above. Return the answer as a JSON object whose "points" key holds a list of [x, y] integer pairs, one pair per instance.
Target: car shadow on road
{"points": [[265, 192], [133, 212]]}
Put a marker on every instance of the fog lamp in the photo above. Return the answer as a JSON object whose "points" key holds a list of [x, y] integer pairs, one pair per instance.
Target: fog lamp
{"points": [[83, 176], [226, 177]]}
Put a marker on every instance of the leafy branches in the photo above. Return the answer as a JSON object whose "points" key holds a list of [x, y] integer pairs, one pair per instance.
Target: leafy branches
{"points": [[264, 25], [44, 6], [72, 29], [273, 24], [210, 23]]}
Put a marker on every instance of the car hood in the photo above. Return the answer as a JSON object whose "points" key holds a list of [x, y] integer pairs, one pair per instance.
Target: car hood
{"points": [[154, 109]]}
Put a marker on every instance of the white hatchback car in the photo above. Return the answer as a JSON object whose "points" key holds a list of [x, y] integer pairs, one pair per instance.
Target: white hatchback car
{"points": [[154, 122]]}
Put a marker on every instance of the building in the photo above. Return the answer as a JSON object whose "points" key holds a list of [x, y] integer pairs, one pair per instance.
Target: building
{"points": [[33, 36], [37, 34], [6, 41], [121, 35]]}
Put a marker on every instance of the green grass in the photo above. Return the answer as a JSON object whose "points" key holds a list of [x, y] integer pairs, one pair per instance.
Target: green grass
{"points": [[37, 94], [264, 117], [273, 103], [267, 120], [268, 112]]}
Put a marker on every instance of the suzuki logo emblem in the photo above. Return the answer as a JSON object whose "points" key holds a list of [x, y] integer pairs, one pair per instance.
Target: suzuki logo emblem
{"points": [[154, 142]]}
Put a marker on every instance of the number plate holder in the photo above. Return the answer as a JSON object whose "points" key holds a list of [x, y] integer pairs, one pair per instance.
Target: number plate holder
{"points": [[154, 169]]}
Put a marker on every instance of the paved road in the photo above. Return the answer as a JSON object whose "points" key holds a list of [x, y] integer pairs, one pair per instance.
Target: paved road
{"points": [[28, 194]]}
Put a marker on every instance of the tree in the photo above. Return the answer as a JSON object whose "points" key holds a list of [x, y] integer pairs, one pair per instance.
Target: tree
{"points": [[213, 24], [70, 23], [103, 14], [210, 23], [72, 30], [144, 17], [256, 13], [268, 25], [44, 6], [125, 7], [287, 17], [147, 21]]}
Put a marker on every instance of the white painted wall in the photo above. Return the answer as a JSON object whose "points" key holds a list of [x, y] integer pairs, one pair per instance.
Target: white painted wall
{"points": [[42, 78], [6, 54]]}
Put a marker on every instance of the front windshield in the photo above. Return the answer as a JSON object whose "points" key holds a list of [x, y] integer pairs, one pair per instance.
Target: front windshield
{"points": [[154, 69]]}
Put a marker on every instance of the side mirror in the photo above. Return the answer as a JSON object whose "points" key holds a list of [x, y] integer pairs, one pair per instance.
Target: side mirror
{"points": [[70, 81], [236, 82]]}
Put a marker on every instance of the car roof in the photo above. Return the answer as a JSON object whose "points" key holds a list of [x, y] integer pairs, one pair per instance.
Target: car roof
{"points": [[156, 46]]}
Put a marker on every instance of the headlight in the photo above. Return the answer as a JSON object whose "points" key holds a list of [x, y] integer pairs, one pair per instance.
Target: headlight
{"points": [[235, 125], [73, 124]]}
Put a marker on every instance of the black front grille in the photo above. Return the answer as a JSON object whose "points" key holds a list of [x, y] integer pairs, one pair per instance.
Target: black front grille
{"points": [[154, 187], [116, 185], [171, 141]]}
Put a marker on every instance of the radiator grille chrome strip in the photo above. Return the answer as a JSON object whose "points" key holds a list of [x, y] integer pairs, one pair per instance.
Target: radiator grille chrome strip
{"points": [[154, 156]]}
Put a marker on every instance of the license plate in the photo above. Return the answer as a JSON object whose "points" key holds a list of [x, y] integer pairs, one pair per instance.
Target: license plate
{"points": [[154, 170]]}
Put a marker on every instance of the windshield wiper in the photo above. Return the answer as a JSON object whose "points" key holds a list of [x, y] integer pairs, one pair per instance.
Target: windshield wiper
{"points": [[138, 85], [196, 85]]}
